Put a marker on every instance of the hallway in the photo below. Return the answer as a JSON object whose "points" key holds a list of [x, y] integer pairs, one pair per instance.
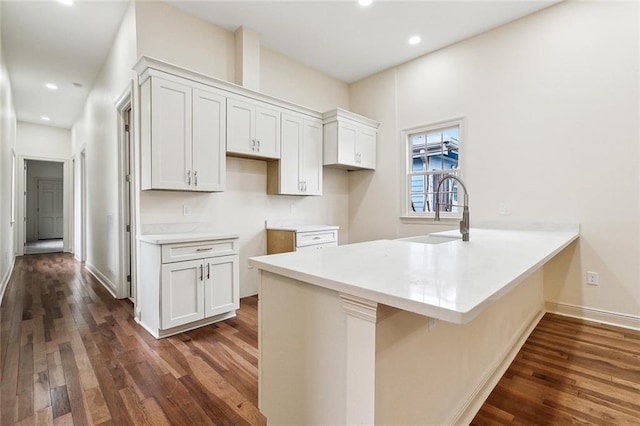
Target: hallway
{"points": [[72, 354]]}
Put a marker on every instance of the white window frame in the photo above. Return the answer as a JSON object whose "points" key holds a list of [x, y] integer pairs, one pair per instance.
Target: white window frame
{"points": [[407, 156]]}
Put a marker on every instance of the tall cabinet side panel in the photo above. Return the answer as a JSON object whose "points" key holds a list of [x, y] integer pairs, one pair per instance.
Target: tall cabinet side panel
{"points": [[148, 300]]}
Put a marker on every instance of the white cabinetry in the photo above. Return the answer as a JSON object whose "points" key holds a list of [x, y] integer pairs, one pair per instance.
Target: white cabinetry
{"points": [[301, 238], [299, 171], [183, 129], [187, 284], [349, 140], [253, 129]]}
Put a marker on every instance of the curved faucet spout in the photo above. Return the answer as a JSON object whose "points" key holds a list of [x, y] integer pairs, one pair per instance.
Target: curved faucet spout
{"points": [[464, 223]]}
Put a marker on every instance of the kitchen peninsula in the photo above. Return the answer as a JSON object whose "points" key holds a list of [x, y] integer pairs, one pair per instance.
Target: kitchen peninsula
{"points": [[409, 331]]}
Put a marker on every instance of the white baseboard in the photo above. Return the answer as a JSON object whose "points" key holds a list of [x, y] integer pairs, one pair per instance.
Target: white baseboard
{"points": [[7, 277], [474, 402], [597, 315], [102, 279]]}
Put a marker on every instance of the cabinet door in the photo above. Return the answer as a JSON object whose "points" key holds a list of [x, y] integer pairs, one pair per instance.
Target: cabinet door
{"points": [[366, 148], [240, 127], [170, 135], [209, 132], [290, 178], [267, 132], [311, 157], [347, 137], [221, 285], [182, 293]]}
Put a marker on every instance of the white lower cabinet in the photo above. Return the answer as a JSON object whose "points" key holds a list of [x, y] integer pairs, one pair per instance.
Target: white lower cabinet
{"points": [[301, 238], [187, 285]]}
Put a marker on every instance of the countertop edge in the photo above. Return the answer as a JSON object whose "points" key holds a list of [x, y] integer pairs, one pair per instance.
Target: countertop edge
{"points": [[184, 237]]}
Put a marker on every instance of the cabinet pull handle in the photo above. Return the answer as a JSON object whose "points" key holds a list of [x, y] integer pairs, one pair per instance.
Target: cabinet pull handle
{"points": [[205, 249], [208, 270], [316, 238], [189, 177], [201, 272], [253, 144], [195, 178], [258, 145]]}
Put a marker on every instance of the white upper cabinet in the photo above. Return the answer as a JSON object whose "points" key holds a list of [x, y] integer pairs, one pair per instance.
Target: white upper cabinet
{"points": [[349, 140], [299, 171], [253, 129], [182, 133], [209, 133]]}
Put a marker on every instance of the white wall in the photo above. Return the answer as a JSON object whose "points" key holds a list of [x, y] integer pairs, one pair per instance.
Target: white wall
{"points": [[38, 141], [244, 205], [552, 129], [39, 170], [7, 149], [95, 131]]}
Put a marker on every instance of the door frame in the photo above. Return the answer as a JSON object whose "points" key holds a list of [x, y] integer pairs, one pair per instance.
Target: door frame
{"points": [[127, 200], [22, 200]]}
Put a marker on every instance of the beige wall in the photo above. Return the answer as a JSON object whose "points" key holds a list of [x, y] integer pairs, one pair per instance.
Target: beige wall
{"points": [[244, 205], [166, 33], [7, 149], [297, 83], [96, 132], [552, 129]]}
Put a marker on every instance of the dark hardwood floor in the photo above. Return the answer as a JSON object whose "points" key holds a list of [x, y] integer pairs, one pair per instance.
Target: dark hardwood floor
{"points": [[71, 354], [569, 371]]}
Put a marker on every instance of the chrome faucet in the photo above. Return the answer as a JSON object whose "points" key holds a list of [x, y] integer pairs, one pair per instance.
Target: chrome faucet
{"points": [[464, 223]]}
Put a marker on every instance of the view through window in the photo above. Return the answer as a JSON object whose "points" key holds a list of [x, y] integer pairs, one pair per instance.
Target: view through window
{"points": [[434, 153]]}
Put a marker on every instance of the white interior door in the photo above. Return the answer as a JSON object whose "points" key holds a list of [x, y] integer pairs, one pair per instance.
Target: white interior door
{"points": [[49, 209]]}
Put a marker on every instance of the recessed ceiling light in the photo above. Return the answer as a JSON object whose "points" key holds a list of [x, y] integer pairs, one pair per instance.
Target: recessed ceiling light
{"points": [[414, 40], [365, 3], [76, 84], [66, 2], [51, 86], [45, 118]]}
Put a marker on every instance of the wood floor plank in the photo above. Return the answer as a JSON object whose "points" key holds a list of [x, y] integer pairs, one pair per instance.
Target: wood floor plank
{"points": [[60, 404], [74, 388]]}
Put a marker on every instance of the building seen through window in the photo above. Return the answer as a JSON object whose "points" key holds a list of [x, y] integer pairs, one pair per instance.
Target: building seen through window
{"points": [[434, 154]]}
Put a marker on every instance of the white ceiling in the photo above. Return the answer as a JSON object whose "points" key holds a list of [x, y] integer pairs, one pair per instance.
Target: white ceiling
{"points": [[45, 41]]}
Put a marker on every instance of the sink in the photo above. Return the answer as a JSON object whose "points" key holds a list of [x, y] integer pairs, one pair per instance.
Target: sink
{"points": [[429, 239]]}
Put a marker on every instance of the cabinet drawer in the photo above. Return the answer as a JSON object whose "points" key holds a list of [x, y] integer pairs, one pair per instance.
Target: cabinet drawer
{"points": [[317, 246], [317, 237], [197, 250]]}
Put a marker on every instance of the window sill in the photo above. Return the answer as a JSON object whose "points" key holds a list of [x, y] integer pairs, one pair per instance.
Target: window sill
{"points": [[425, 220]]}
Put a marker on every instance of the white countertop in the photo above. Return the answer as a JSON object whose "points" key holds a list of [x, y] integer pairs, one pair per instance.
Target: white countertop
{"points": [[185, 237], [453, 281]]}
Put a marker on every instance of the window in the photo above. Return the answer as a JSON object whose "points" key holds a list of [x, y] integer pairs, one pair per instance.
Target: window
{"points": [[432, 153]]}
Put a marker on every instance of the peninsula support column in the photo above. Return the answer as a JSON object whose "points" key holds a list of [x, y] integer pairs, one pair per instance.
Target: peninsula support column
{"points": [[361, 359]]}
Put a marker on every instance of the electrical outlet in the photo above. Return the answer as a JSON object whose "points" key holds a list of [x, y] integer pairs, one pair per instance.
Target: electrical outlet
{"points": [[504, 208], [592, 278], [292, 208], [187, 210]]}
